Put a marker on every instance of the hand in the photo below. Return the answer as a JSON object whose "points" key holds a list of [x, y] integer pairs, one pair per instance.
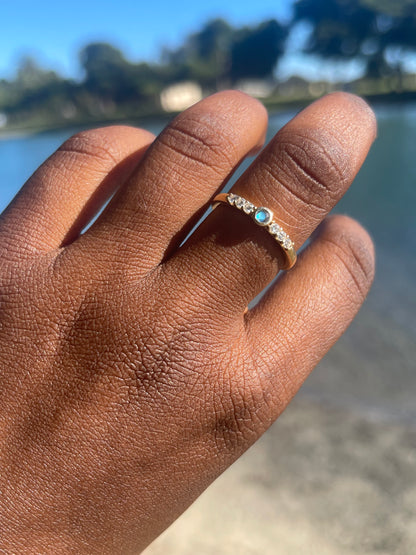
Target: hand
{"points": [[130, 374]]}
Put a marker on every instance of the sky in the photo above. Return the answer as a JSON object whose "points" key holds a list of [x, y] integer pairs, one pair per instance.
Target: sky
{"points": [[54, 32]]}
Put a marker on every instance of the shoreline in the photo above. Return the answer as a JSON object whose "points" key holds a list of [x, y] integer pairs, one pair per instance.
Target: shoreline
{"points": [[273, 105]]}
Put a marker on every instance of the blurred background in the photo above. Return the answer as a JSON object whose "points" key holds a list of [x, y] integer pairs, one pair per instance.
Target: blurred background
{"points": [[337, 472]]}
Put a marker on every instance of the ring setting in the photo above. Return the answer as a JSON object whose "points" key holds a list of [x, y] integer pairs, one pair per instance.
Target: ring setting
{"points": [[263, 217]]}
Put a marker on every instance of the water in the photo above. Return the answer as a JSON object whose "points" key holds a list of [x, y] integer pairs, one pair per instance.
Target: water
{"points": [[373, 366]]}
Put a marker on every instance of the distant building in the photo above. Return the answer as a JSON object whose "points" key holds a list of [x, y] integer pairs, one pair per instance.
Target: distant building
{"points": [[180, 96], [259, 88], [294, 87], [319, 88], [69, 110]]}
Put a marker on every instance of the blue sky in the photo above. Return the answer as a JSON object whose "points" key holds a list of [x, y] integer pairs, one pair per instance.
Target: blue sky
{"points": [[54, 32]]}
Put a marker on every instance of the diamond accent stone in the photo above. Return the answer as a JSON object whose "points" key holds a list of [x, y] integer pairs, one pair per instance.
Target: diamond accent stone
{"points": [[287, 243], [240, 202], [263, 216], [281, 235], [275, 228], [232, 198], [248, 207]]}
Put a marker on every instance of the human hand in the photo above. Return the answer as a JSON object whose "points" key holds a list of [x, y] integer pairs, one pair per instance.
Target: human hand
{"points": [[130, 374]]}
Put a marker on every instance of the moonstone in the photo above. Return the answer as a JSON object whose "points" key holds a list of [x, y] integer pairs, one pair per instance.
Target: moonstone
{"points": [[263, 216]]}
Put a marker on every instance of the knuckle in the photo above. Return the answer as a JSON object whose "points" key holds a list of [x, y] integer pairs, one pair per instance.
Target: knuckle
{"points": [[353, 253], [311, 165], [198, 141], [94, 143]]}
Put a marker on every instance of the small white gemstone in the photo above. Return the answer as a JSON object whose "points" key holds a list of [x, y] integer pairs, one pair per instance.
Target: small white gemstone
{"points": [[240, 202], [275, 228], [232, 198], [281, 235], [287, 243], [248, 207]]}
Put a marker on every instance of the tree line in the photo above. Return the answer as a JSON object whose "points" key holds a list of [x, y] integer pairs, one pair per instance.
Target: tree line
{"points": [[376, 32]]}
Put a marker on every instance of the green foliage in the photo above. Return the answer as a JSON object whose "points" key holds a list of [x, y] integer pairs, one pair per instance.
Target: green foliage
{"points": [[393, 8], [30, 76], [109, 76], [221, 55], [338, 26], [203, 57], [216, 56], [255, 51], [363, 29]]}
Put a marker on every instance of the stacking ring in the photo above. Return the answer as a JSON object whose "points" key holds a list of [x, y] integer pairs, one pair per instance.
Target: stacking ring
{"points": [[264, 218]]}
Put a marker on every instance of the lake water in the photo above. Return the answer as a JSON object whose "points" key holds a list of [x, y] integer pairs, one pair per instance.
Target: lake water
{"points": [[373, 367]]}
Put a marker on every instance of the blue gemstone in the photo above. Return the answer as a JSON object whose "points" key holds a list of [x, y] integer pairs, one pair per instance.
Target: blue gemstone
{"points": [[262, 216]]}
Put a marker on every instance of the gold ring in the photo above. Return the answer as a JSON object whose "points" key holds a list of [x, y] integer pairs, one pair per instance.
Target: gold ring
{"points": [[264, 218]]}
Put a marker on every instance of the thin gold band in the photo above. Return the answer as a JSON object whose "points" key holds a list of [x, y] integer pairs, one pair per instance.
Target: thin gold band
{"points": [[264, 218]]}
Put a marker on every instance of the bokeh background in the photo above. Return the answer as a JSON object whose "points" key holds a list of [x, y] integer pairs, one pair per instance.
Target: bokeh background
{"points": [[337, 472]]}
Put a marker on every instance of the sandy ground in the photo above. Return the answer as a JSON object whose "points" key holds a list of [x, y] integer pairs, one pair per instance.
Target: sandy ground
{"points": [[321, 481]]}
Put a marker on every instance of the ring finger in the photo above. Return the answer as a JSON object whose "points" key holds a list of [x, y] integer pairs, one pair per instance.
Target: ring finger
{"points": [[301, 175]]}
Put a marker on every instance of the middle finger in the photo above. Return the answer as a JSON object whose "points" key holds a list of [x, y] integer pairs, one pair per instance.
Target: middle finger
{"points": [[187, 163]]}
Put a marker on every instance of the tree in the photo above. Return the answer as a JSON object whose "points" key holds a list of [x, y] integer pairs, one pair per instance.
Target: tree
{"points": [[219, 54], [107, 73], [30, 75], [204, 56], [255, 51], [100, 58], [362, 29]]}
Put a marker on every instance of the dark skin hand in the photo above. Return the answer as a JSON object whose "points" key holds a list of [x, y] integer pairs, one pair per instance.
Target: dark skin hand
{"points": [[130, 374]]}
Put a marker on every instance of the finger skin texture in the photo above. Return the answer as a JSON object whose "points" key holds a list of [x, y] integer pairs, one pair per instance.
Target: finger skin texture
{"points": [[124, 393], [68, 189], [187, 164], [325, 290], [300, 175]]}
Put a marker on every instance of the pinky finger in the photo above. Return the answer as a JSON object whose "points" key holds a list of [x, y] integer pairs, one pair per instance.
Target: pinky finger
{"points": [[310, 307]]}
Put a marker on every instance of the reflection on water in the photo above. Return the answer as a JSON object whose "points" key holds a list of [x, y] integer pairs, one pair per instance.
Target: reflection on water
{"points": [[373, 365]]}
